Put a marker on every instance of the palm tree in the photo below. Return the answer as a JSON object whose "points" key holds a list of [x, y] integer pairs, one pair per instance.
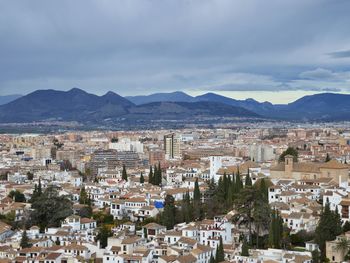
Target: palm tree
{"points": [[343, 245]]}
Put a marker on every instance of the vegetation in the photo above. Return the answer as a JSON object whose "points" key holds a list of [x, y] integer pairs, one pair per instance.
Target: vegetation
{"points": [[290, 151], [155, 175], [17, 196], [169, 214], [142, 179], [124, 173], [25, 242], [328, 228], [49, 209]]}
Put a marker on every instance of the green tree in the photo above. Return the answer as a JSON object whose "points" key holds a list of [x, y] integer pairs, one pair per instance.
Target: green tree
{"points": [[83, 197], [30, 176], [142, 179], [346, 227], [290, 151], [103, 234], [124, 174], [245, 248], [197, 201], [328, 158], [150, 175], [25, 242], [220, 254], [248, 180], [275, 230], [49, 209], [196, 192], [17, 196], [169, 213], [328, 228], [316, 257], [261, 218], [244, 205], [212, 259]]}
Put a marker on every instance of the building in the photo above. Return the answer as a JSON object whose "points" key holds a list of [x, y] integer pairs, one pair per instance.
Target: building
{"points": [[339, 172], [156, 156], [172, 146], [103, 159]]}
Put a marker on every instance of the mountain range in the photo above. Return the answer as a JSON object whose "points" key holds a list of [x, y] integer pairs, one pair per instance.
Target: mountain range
{"points": [[78, 105]]}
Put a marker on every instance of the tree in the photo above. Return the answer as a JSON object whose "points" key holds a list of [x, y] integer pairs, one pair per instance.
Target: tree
{"points": [[346, 227], [212, 259], [25, 242], [244, 204], [17, 196], [124, 174], [248, 180], [245, 249], [150, 175], [49, 209], [83, 197], [30, 176], [114, 140], [316, 257], [328, 228], [261, 217], [169, 213], [142, 179], [328, 158], [196, 192], [343, 246], [220, 254], [196, 200], [275, 230], [290, 151], [103, 234]]}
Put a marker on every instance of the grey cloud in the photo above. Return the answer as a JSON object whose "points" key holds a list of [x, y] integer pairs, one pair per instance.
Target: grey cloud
{"points": [[340, 54], [318, 73], [148, 46]]}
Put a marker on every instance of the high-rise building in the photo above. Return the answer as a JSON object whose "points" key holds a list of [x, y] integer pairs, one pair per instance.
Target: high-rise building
{"points": [[172, 146]]}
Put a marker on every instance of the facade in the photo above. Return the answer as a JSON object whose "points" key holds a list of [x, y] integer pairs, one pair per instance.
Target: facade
{"points": [[172, 146]]}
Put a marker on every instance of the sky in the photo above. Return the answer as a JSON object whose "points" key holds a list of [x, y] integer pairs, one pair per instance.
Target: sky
{"points": [[270, 50]]}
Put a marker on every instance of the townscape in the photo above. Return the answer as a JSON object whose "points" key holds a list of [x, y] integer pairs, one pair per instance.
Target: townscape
{"points": [[201, 195]]}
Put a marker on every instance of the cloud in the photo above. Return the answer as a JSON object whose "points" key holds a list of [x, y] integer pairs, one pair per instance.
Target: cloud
{"points": [[340, 54], [146, 46], [318, 73]]}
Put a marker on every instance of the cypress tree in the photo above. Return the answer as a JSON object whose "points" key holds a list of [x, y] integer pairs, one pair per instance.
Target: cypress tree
{"points": [[239, 184], [40, 190], [263, 189], [229, 197], [25, 240], [142, 179], [83, 197], [155, 175], [220, 254], [328, 228], [169, 213], [196, 192], [245, 251], [150, 175], [212, 259], [124, 174], [248, 180]]}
